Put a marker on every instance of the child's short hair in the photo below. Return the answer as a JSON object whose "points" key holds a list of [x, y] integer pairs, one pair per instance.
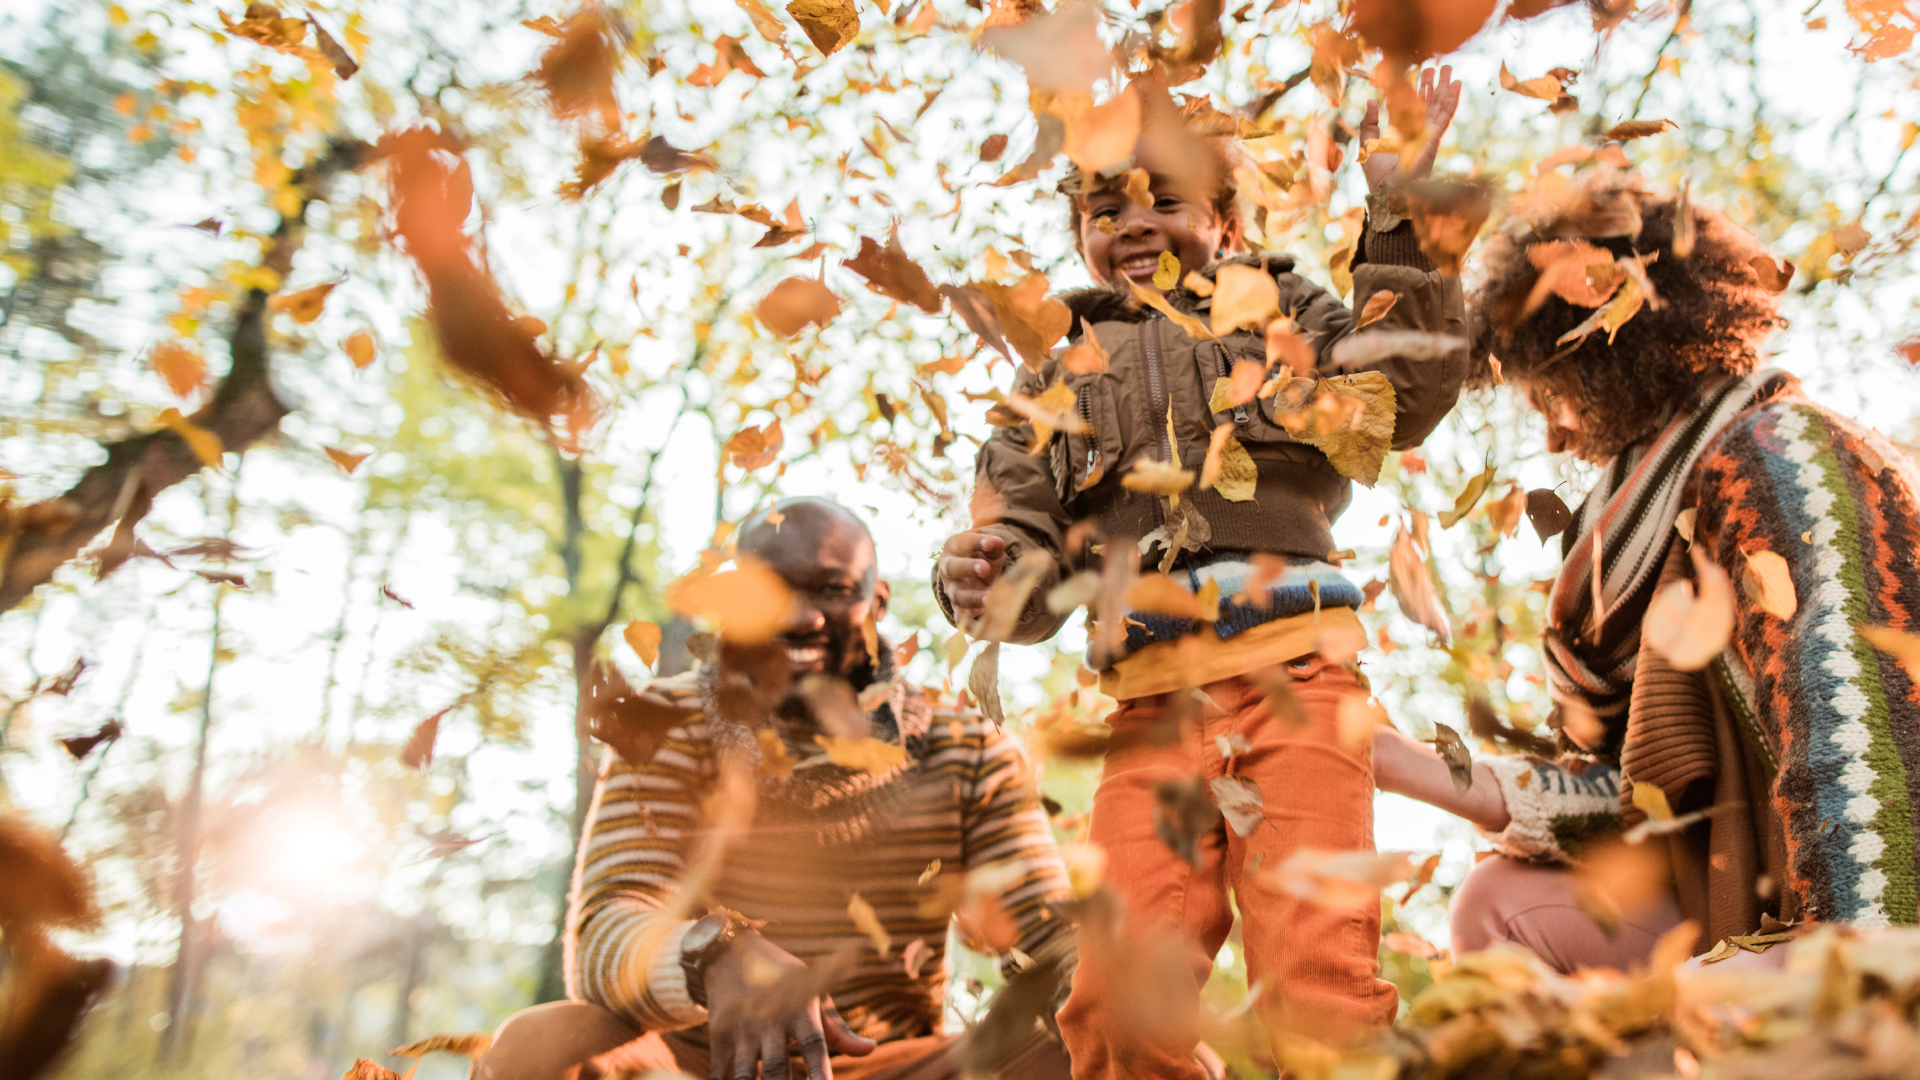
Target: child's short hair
{"points": [[1217, 132]]}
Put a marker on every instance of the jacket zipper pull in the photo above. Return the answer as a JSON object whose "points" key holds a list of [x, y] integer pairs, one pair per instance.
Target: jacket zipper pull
{"points": [[1226, 372]]}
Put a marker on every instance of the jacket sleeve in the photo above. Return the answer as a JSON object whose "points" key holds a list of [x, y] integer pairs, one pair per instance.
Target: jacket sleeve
{"points": [[1424, 391], [1016, 490]]}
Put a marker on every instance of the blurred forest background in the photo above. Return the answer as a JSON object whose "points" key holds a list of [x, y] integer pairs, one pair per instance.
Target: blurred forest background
{"points": [[213, 713]]}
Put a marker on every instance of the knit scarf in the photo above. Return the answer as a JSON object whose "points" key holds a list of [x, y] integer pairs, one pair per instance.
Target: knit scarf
{"points": [[1594, 614]]}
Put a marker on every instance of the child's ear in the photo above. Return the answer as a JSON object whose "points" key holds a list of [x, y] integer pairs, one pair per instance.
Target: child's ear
{"points": [[1233, 235]]}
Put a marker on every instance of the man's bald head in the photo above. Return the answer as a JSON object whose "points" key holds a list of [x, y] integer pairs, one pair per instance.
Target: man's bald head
{"points": [[824, 552], [804, 522]]}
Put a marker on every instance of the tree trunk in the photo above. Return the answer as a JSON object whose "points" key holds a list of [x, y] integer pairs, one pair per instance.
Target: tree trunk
{"points": [[180, 983]]}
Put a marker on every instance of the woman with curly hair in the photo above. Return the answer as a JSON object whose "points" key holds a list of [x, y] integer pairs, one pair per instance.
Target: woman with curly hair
{"points": [[1798, 742]]}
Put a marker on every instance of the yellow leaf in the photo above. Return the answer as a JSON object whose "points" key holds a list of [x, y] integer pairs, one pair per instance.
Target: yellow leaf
{"points": [[1690, 628], [1197, 285], [1140, 187], [1193, 327], [359, 348], [868, 923], [1376, 308], [1243, 296], [1650, 800], [866, 755], [1157, 477], [829, 23], [1167, 274], [1030, 319], [204, 444], [1463, 505], [1349, 419], [1162, 595], [1546, 87], [346, 459], [306, 305], [644, 639], [749, 604], [1903, 646], [1768, 582]]}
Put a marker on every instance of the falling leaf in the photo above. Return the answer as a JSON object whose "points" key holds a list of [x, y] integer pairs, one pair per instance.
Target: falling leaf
{"points": [[1453, 750], [387, 591], [1374, 346], [829, 24], [344, 65], [1545, 87], [181, 366], [1098, 137], [1030, 319], [1139, 188], [753, 447], [79, 746], [1182, 814], [1086, 356], [205, 444], [1350, 419], [363, 1069], [1059, 51], [1341, 880], [1504, 513], [1413, 586], [1548, 513], [1376, 308], [306, 305], [992, 149], [748, 603], [1446, 218], [644, 639], [1421, 876], [345, 459], [983, 682], [1774, 275], [1358, 716], [1638, 129], [864, 755], [1239, 801], [1287, 351], [1157, 477], [418, 752], [577, 70], [1229, 469], [868, 923], [1410, 945], [1167, 273], [791, 305], [1162, 595], [1650, 800], [1899, 644], [1193, 327], [470, 1045], [1467, 499], [891, 274], [1575, 271], [1242, 296], [1683, 224], [1768, 582], [1690, 629], [359, 347]]}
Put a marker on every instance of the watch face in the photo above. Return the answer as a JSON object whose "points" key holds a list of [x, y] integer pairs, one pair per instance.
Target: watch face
{"points": [[701, 936]]}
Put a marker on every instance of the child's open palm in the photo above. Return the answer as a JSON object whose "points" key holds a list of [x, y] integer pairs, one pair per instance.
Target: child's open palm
{"points": [[1442, 98]]}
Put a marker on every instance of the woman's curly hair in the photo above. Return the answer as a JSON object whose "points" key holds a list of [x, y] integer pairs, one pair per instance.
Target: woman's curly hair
{"points": [[1715, 309]]}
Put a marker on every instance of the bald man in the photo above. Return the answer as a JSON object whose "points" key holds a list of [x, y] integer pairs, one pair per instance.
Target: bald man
{"points": [[787, 963]]}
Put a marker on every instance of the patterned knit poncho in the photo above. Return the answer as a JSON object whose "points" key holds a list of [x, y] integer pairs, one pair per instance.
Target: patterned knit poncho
{"points": [[1836, 720]]}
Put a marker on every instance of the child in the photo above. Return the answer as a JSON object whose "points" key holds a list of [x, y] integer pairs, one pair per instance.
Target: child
{"points": [[1153, 401]]}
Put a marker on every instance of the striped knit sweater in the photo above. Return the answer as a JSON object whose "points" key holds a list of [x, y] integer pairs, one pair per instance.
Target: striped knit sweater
{"points": [[965, 799], [1837, 720]]}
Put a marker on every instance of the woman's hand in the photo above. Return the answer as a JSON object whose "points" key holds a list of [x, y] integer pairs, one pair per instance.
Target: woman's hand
{"points": [[969, 563], [1413, 769], [1441, 97], [750, 1027]]}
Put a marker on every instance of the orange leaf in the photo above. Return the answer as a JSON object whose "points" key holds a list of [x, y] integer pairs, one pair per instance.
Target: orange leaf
{"points": [[306, 305], [347, 460], [359, 348], [1376, 308], [182, 366], [644, 639], [796, 302], [749, 604]]}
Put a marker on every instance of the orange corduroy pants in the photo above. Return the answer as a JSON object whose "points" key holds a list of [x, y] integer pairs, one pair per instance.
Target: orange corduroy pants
{"points": [[1319, 966]]}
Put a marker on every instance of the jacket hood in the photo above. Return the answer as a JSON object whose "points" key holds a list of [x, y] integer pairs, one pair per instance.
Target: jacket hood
{"points": [[1114, 302]]}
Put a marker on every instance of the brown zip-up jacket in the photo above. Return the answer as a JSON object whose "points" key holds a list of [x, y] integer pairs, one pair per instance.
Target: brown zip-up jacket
{"points": [[1154, 365]]}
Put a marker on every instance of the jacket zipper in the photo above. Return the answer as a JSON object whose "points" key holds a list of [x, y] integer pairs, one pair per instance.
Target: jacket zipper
{"points": [[1083, 402], [1226, 372], [1156, 383]]}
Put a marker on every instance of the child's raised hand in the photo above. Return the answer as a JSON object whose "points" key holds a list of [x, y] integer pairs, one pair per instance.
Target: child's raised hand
{"points": [[969, 563], [1442, 97]]}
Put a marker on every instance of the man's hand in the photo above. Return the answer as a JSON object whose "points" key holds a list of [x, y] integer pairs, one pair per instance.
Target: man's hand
{"points": [[968, 566], [751, 1022], [1442, 97]]}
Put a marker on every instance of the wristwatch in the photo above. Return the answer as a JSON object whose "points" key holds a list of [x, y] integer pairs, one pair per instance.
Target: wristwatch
{"points": [[705, 940]]}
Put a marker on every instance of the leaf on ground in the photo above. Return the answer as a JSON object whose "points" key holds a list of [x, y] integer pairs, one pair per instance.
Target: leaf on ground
{"points": [[868, 923], [1341, 880], [181, 367], [864, 755], [644, 639], [1548, 513], [1464, 504], [1243, 296], [1687, 628], [790, 306], [470, 1045], [1376, 308], [1453, 751], [749, 604], [1239, 801], [983, 682], [892, 274], [1768, 582], [1413, 586], [829, 24]]}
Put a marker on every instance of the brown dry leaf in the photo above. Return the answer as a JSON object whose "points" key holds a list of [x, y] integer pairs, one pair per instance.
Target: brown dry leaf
{"points": [[892, 274], [1638, 129], [1357, 717], [1376, 308], [1453, 750], [1545, 87], [794, 303], [1194, 327], [829, 24], [1183, 813], [1413, 586], [470, 1045], [1360, 350], [205, 444], [1341, 880], [1899, 644], [1683, 224], [1239, 801], [749, 603], [992, 149], [1690, 629], [306, 305], [1410, 945], [1288, 351], [1464, 504], [1575, 271], [42, 886], [728, 57], [1099, 137], [1030, 319], [363, 1069], [983, 678], [1060, 51], [1162, 595], [79, 746], [181, 366], [1050, 411], [644, 639], [1350, 419], [1139, 187], [1422, 876], [1243, 296], [577, 70], [1548, 513], [1504, 512], [359, 347], [1157, 477], [1768, 582], [1413, 30], [1086, 356], [1447, 217], [753, 447], [345, 459], [1008, 595], [418, 752], [868, 923], [1773, 275], [865, 755]]}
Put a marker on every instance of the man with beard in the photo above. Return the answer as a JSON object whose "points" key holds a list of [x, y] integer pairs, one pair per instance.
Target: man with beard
{"points": [[820, 931]]}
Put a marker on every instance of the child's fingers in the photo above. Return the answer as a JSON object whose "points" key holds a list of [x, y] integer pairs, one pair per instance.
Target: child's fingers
{"points": [[1370, 122]]}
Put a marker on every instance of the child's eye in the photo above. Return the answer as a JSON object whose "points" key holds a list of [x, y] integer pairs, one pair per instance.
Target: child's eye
{"points": [[1104, 212], [1166, 202]]}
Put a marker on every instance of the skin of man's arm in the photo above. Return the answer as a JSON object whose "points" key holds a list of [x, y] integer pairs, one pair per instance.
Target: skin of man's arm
{"points": [[1413, 769]]}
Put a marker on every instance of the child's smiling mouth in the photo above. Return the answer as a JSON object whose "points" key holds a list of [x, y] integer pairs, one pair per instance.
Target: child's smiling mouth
{"points": [[1139, 267]]}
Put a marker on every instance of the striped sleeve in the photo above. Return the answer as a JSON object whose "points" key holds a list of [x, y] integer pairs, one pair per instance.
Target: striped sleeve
{"points": [[1006, 829], [623, 950], [1553, 813]]}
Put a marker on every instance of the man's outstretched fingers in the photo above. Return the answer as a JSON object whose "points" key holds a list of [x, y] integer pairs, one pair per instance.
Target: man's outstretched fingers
{"points": [[840, 1037], [773, 1055], [813, 1046]]}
